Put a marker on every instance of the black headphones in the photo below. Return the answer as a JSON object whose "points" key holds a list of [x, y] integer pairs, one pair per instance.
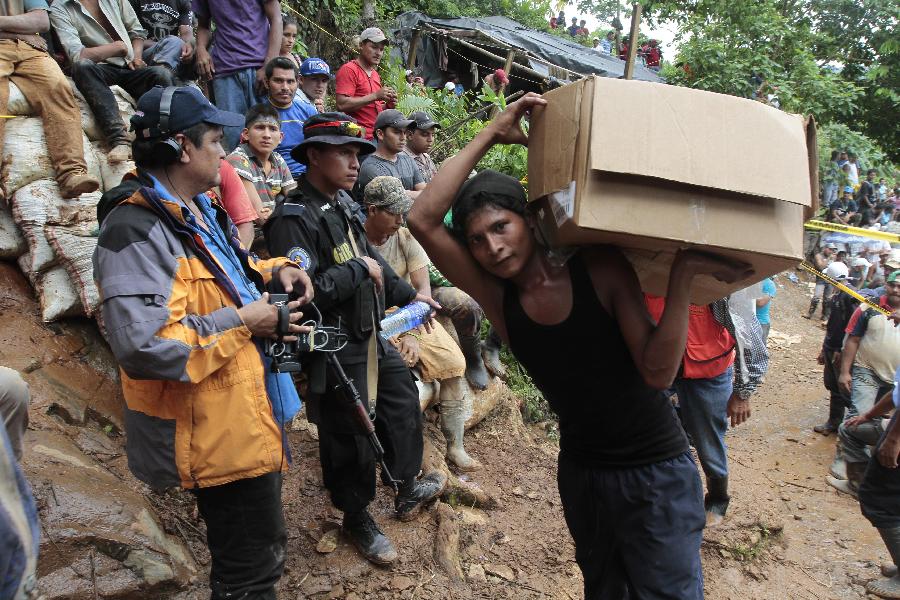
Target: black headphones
{"points": [[167, 150]]}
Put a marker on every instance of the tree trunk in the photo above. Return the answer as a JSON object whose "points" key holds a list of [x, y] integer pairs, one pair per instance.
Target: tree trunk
{"points": [[368, 13]]}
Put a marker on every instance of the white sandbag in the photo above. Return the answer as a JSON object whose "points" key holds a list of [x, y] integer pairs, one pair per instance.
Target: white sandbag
{"points": [[18, 103], [111, 173], [38, 204], [12, 242], [74, 245], [25, 151], [58, 295], [89, 124]]}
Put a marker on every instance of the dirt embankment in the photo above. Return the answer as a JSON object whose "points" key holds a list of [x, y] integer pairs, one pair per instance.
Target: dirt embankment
{"points": [[788, 535]]}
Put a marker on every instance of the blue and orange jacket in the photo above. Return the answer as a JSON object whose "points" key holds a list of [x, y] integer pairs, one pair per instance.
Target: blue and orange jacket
{"points": [[197, 411]]}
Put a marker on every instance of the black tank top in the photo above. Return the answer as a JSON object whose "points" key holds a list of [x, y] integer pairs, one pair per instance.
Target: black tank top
{"points": [[608, 416]]}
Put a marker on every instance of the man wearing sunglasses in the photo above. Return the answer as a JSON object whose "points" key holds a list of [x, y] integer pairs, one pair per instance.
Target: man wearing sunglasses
{"points": [[320, 227]]}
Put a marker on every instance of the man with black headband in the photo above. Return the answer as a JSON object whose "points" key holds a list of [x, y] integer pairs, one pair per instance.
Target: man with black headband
{"points": [[319, 227]]}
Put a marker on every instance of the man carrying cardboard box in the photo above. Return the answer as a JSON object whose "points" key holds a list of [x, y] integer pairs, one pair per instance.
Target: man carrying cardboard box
{"points": [[629, 488]]}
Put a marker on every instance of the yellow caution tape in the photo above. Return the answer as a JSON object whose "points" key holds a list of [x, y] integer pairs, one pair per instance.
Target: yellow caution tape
{"points": [[847, 290], [866, 233]]}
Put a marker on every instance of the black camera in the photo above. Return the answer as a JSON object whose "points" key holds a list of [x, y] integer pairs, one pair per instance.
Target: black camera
{"points": [[286, 355]]}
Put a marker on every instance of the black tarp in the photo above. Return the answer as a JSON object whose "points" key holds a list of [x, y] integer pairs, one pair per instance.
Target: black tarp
{"points": [[554, 49]]}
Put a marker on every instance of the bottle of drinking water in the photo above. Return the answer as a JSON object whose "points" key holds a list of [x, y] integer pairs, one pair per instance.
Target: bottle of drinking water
{"points": [[405, 318]]}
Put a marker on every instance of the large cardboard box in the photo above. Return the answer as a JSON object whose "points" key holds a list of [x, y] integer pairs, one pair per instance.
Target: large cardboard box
{"points": [[653, 168]]}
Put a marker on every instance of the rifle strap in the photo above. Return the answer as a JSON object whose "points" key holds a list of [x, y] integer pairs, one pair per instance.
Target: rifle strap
{"points": [[372, 352]]}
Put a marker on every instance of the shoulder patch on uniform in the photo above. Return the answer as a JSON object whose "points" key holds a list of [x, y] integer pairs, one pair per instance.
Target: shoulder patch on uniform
{"points": [[300, 256], [292, 209]]}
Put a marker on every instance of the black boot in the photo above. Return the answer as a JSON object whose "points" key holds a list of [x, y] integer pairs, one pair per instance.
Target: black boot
{"points": [[476, 373], [716, 500], [813, 304], [835, 416], [490, 350], [888, 588], [369, 539], [416, 493]]}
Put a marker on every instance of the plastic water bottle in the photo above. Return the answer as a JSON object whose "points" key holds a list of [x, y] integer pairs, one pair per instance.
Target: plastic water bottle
{"points": [[404, 319]]}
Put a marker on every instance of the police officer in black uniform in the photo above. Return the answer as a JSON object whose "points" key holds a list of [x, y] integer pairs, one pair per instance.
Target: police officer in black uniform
{"points": [[319, 227]]}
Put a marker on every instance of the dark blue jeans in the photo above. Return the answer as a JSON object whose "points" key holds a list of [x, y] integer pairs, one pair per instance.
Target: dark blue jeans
{"points": [[637, 530]]}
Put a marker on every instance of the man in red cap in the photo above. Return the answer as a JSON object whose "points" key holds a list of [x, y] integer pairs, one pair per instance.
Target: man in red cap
{"points": [[497, 80]]}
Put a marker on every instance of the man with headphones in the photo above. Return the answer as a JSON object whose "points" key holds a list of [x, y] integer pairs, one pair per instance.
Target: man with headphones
{"points": [[185, 314]]}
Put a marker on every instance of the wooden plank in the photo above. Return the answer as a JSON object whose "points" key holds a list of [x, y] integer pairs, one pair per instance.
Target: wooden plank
{"points": [[633, 41]]}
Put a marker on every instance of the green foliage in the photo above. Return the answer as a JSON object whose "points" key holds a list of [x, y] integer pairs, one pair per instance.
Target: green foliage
{"points": [[836, 59], [837, 136]]}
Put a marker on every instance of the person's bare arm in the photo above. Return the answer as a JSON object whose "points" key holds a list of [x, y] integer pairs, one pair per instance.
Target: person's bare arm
{"points": [[99, 54], [253, 196], [426, 219], [413, 193], [272, 9], [34, 21], [137, 46], [656, 350], [760, 302], [848, 355], [186, 33], [205, 67], [888, 451], [420, 281], [246, 233], [353, 103], [420, 186]]}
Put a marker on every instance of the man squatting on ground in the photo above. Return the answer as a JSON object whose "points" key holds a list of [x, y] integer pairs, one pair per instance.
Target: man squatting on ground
{"points": [[185, 314], [631, 494], [435, 355], [319, 226]]}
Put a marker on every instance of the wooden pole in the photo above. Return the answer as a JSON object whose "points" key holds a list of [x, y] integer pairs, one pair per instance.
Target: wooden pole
{"points": [[633, 41], [499, 59], [413, 48], [618, 31]]}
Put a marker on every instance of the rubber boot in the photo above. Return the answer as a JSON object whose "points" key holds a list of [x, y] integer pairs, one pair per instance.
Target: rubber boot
{"points": [[716, 500], [838, 468], [453, 423], [813, 304], [476, 373], [491, 353], [368, 538], [416, 493], [849, 486], [888, 588]]}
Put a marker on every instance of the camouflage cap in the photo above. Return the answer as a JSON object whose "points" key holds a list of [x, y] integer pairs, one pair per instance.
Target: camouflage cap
{"points": [[387, 192]]}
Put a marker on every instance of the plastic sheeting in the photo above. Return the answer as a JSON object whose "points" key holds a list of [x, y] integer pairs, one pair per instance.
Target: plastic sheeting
{"points": [[553, 49]]}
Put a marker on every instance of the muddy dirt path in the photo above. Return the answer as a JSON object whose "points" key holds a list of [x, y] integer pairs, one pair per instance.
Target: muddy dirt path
{"points": [[788, 535]]}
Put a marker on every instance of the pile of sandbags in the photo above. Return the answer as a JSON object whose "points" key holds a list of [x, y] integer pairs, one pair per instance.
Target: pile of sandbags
{"points": [[53, 239]]}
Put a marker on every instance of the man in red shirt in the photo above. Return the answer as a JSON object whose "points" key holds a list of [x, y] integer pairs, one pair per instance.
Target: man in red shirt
{"points": [[358, 90]]}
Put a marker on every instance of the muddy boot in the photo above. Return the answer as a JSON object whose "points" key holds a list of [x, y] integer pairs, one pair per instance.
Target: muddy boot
{"points": [[476, 373], [416, 493], [889, 570], [888, 588], [838, 468], [835, 418], [453, 423], [849, 486], [369, 539], [120, 153], [491, 353], [716, 500], [813, 304]]}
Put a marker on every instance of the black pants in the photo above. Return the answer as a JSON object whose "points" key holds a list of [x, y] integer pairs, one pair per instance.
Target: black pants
{"points": [[246, 536], [879, 492], [839, 400], [348, 461], [637, 530], [93, 81]]}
